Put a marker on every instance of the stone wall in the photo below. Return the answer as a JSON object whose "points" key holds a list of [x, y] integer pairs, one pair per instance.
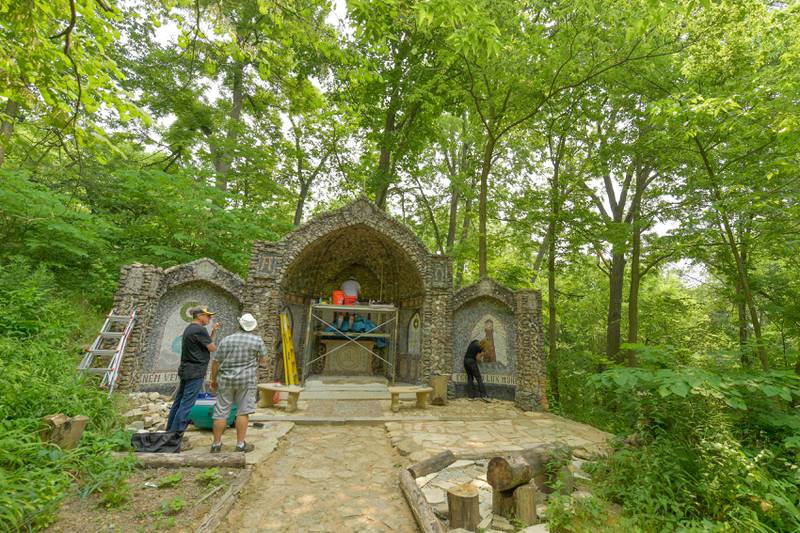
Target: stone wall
{"points": [[363, 240], [485, 310], [531, 363], [158, 294], [309, 262]]}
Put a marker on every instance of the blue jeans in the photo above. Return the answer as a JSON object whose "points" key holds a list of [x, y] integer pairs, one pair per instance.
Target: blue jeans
{"points": [[184, 401]]}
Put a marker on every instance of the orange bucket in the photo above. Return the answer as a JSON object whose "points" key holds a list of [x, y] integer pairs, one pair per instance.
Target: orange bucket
{"points": [[337, 297], [350, 300]]}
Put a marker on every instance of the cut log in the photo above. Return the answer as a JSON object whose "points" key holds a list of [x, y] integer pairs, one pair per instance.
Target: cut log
{"points": [[503, 503], [503, 472], [427, 521], [525, 504], [463, 509], [432, 464], [506, 473], [178, 460]]}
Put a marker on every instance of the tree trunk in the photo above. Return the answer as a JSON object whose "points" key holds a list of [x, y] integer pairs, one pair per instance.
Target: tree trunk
{"points": [[383, 175], [616, 281], [744, 333], [223, 155], [488, 153], [301, 200], [741, 266], [748, 295], [552, 323], [7, 127], [636, 273], [455, 198], [465, 224]]}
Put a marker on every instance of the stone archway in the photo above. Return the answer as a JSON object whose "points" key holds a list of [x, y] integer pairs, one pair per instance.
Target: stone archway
{"points": [[358, 239], [161, 297]]}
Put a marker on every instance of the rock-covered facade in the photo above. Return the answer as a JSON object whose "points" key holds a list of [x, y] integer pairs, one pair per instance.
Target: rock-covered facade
{"points": [[392, 265]]}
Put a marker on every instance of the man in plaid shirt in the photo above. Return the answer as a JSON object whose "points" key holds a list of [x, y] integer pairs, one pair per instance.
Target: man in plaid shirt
{"points": [[233, 378]]}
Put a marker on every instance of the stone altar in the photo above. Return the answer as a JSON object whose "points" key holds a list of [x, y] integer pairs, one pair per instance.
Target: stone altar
{"points": [[351, 359]]}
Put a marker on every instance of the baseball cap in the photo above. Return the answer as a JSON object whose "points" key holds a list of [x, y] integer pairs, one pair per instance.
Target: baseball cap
{"points": [[201, 310]]}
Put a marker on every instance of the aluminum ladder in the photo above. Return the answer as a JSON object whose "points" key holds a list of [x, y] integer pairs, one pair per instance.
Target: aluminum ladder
{"points": [[109, 345]]}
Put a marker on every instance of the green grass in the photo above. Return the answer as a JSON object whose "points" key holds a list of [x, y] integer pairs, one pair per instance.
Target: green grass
{"points": [[40, 346]]}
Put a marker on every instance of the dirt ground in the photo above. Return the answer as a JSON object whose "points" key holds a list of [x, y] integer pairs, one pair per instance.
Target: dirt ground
{"points": [[173, 508]]}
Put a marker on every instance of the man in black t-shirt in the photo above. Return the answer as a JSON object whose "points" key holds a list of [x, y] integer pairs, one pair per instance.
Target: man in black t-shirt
{"points": [[196, 349], [474, 350]]}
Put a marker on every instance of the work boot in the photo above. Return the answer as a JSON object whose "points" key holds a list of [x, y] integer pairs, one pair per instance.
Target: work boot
{"points": [[245, 447], [216, 448], [485, 399]]}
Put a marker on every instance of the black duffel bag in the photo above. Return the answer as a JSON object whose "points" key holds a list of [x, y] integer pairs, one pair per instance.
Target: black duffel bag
{"points": [[157, 442]]}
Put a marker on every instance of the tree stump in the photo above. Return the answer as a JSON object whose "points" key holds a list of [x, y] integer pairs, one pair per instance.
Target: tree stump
{"points": [[503, 503], [525, 504], [463, 508], [506, 473]]}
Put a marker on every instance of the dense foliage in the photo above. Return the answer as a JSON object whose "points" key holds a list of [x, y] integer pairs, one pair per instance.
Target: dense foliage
{"points": [[38, 351], [635, 160]]}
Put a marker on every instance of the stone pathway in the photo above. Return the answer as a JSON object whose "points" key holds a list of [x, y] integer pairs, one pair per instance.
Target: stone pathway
{"points": [[326, 478], [264, 438], [347, 409], [480, 438]]}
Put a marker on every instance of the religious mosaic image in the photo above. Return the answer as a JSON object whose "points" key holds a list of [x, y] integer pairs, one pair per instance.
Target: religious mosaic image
{"points": [[492, 329], [169, 353]]}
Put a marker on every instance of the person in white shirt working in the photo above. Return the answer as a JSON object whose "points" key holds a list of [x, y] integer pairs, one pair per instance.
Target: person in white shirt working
{"points": [[351, 289]]}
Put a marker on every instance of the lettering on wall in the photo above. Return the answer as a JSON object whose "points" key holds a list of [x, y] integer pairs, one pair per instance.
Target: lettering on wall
{"points": [[496, 379]]}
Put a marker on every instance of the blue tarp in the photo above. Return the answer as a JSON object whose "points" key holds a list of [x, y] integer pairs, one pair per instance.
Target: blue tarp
{"points": [[360, 325]]}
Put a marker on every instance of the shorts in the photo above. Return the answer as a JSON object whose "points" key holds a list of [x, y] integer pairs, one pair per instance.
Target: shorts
{"points": [[243, 397]]}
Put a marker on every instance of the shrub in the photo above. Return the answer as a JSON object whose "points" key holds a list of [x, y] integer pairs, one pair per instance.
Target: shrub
{"points": [[710, 450], [39, 353]]}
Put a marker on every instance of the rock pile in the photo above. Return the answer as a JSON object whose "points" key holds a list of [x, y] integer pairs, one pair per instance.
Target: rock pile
{"points": [[149, 411]]}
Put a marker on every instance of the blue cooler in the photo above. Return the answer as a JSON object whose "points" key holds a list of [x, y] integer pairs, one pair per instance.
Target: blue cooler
{"points": [[201, 415]]}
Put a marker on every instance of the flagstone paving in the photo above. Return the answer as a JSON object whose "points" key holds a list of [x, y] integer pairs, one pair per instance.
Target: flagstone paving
{"points": [[325, 478], [343, 476], [478, 438]]}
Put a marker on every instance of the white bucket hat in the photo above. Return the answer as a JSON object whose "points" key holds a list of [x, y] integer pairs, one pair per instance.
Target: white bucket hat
{"points": [[248, 322]]}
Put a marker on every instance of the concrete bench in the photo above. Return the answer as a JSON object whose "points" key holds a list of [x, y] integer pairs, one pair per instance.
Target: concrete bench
{"points": [[421, 392], [267, 393]]}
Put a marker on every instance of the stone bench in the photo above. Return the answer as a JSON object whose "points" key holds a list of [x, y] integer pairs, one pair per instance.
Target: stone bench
{"points": [[267, 393], [421, 392]]}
